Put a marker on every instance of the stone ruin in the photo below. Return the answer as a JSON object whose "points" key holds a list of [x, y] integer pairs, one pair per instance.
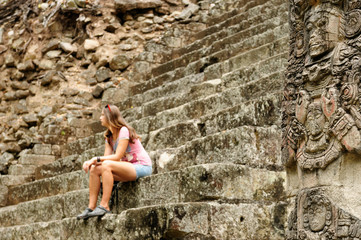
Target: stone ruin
{"points": [[321, 120], [250, 111]]}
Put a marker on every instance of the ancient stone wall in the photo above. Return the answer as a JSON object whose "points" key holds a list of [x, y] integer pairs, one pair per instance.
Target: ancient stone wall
{"points": [[61, 60], [205, 96], [321, 120]]}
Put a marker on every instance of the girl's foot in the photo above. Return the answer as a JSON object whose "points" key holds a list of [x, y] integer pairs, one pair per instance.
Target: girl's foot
{"points": [[85, 214], [98, 212]]}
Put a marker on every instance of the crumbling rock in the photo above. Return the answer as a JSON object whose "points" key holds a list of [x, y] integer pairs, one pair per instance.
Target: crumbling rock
{"points": [[119, 62], [102, 74], [127, 5], [97, 92], [5, 160]]}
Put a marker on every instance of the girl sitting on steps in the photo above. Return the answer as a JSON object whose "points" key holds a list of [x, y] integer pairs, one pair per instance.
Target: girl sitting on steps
{"points": [[124, 160]]}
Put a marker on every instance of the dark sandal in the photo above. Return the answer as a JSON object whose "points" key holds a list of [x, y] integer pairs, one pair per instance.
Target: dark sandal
{"points": [[99, 211], [85, 214]]}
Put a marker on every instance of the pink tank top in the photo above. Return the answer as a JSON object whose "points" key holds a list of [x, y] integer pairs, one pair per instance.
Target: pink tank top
{"points": [[135, 152]]}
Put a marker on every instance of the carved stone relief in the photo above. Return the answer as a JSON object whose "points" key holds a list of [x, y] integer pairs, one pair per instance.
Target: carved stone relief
{"points": [[322, 104], [317, 218], [325, 75]]}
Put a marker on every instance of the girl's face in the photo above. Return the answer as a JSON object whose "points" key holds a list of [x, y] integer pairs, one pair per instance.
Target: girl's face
{"points": [[103, 120]]}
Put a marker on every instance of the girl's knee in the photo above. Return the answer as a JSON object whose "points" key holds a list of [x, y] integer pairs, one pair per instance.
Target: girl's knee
{"points": [[106, 165], [94, 169]]}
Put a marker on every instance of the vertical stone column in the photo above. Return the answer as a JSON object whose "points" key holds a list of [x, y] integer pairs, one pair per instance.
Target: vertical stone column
{"points": [[322, 119]]}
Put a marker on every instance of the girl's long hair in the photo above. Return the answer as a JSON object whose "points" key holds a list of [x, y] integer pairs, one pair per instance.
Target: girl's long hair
{"points": [[116, 121]]}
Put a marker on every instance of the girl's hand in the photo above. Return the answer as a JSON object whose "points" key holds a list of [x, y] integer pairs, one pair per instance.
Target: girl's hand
{"points": [[87, 164]]}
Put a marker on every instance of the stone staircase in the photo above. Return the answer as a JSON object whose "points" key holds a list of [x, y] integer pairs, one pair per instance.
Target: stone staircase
{"points": [[209, 116]]}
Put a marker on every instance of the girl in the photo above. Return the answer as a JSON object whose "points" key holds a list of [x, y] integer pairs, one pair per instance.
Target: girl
{"points": [[124, 160]]}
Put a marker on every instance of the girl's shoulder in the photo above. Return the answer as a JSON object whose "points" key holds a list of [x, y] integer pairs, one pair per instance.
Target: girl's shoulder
{"points": [[124, 132]]}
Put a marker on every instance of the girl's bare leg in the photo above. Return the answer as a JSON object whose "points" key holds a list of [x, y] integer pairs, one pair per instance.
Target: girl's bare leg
{"points": [[119, 171], [94, 185]]}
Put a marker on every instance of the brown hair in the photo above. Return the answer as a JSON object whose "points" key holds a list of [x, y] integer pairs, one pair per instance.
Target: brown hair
{"points": [[115, 120]]}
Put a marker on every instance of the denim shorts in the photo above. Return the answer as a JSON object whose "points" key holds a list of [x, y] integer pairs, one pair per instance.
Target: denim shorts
{"points": [[142, 170]]}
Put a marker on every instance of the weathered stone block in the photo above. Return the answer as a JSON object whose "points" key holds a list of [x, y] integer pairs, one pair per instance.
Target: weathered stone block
{"points": [[5, 159], [180, 134], [48, 187], [52, 45], [127, 5], [46, 64], [42, 149], [91, 44], [26, 66], [34, 159], [241, 145], [68, 47], [3, 195], [84, 144], [201, 183], [64, 165], [102, 74], [22, 170], [186, 221], [30, 119], [114, 93], [11, 180], [119, 62]]}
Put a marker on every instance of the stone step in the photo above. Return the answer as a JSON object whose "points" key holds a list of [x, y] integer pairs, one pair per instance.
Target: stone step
{"points": [[232, 8], [19, 169], [48, 187], [69, 163], [198, 183], [14, 180], [264, 110], [253, 72], [81, 145], [8, 181], [236, 107], [44, 209], [220, 50], [254, 146], [153, 116], [194, 109], [248, 12], [241, 17], [177, 86], [240, 26], [62, 165], [252, 13], [259, 51], [203, 220], [214, 71], [34, 159], [28, 163], [259, 109], [217, 181]]}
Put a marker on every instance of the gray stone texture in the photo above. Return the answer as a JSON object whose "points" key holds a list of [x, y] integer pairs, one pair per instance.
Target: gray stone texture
{"points": [[321, 120], [204, 94], [102, 74]]}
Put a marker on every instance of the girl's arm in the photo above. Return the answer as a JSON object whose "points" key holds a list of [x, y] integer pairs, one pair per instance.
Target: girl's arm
{"points": [[108, 149], [119, 153]]}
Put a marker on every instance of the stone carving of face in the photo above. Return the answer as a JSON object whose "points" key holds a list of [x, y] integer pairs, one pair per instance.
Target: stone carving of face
{"points": [[315, 121], [317, 217], [322, 26]]}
